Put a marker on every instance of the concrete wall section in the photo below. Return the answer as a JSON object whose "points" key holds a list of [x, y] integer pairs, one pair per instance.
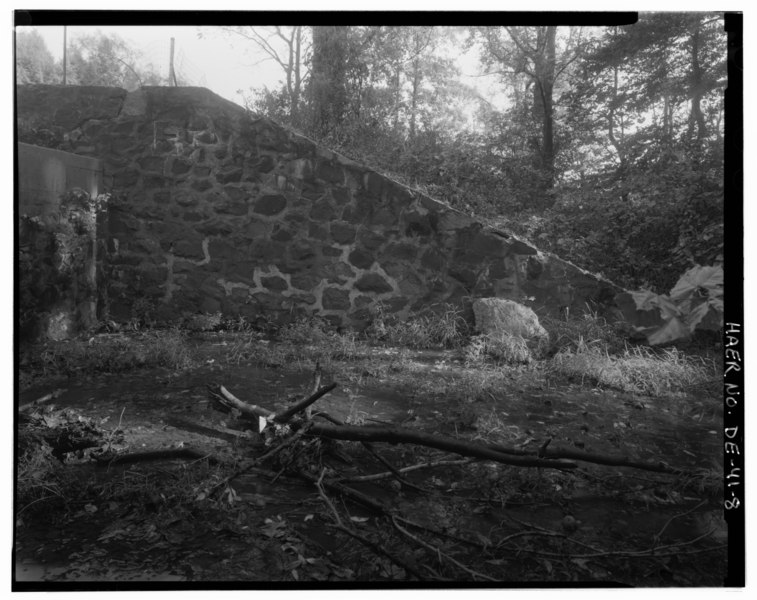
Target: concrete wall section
{"points": [[44, 174]]}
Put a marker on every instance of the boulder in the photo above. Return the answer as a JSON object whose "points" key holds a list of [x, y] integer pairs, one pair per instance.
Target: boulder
{"points": [[497, 316]]}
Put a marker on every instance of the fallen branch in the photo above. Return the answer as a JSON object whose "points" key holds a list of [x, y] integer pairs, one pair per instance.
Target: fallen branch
{"points": [[439, 553], [600, 459], [386, 474], [226, 400], [362, 539], [42, 399], [287, 414], [398, 435], [166, 454]]}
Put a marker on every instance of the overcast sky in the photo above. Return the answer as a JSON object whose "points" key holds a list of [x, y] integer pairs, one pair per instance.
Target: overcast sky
{"points": [[223, 63], [210, 61]]}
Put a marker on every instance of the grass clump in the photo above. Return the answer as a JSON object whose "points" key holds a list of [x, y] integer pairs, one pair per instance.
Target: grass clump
{"points": [[445, 328], [636, 369], [589, 328], [504, 348], [110, 353]]}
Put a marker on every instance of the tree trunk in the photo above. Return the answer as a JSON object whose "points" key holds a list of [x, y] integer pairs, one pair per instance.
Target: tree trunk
{"points": [[696, 118], [328, 79]]}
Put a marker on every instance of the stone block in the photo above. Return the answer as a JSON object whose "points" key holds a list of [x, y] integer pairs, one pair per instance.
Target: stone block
{"points": [[188, 249], [221, 250], [341, 195], [374, 184], [201, 185], [330, 172], [361, 259], [336, 272], [265, 164], [322, 211], [229, 207], [335, 299], [152, 163], [270, 204], [267, 251], [331, 251], [205, 137], [125, 178], [275, 284], [342, 233], [236, 194], [153, 181], [373, 283], [186, 198], [401, 251], [304, 281], [371, 240], [231, 175], [180, 167], [318, 232], [281, 234], [433, 259], [488, 245]]}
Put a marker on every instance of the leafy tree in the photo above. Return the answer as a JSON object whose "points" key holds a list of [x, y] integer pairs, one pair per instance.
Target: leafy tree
{"points": [[288, 47], [34, 62], [108, 60], [531, 61]]}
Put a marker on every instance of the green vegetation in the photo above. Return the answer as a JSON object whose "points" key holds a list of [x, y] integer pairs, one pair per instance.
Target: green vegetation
{"points": [[444, 328], [108, 353]]}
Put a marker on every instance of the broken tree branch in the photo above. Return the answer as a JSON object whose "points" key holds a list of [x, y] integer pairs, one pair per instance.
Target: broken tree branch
{"points": [[600, 459], [227, 400], [397, 435], [287, 414]]}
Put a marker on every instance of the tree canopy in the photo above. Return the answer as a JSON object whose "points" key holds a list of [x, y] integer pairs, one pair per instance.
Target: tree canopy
{"points": [[608, 150]]}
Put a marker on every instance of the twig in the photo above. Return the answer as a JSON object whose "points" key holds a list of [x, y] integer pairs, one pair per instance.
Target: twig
{"points": [[363, 540], [377, 476], [287, 414], [438, 552], [287, 442], [657, 537], [649, 553]]}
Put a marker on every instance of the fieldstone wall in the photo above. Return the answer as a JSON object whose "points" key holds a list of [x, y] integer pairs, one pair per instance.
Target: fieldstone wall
{"points": [[218, 210]]}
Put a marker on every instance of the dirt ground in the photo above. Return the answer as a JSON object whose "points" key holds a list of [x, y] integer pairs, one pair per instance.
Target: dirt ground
{"points": [[478, 522]]}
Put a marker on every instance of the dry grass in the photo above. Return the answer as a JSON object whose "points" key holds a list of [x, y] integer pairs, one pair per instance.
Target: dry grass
{"points": [[443, 328], [636, 369], [503, 348], [110, 353]]}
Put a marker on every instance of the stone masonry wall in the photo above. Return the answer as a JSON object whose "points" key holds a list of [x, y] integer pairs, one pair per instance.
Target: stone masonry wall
{"points": [[218, 210]]}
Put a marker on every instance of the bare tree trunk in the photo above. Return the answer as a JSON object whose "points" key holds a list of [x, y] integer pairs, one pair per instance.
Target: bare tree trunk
{"points": [[696, 117]]}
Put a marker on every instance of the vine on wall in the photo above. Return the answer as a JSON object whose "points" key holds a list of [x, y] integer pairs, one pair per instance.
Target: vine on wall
{"points": [[56, 266]]}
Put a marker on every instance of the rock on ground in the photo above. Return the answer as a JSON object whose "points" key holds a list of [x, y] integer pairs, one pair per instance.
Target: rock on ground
{"points": [[497, 316]]}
